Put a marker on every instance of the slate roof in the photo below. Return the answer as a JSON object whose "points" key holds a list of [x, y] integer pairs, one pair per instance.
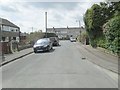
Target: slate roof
{"points": [[7, 23]]}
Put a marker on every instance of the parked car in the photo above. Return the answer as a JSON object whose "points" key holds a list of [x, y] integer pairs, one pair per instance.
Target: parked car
{"points": [[72, 39], [55, 41], [44, 44]]}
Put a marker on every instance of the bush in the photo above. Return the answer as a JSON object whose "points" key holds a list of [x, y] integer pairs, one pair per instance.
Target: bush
{"points": [[102, 42], [93, 43], [112, 33], [22, 47], [83, 37]]}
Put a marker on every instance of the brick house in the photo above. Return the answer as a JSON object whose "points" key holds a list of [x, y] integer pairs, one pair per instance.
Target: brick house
{"points": [[9, 35]]}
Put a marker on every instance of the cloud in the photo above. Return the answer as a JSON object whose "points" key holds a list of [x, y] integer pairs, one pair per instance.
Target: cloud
{"points": [[56, 0], [8, 9], [32, 14], [52, 5]]}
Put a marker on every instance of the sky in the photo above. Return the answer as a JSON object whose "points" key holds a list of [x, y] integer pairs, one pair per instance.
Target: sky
{"points": [[29, 15]]}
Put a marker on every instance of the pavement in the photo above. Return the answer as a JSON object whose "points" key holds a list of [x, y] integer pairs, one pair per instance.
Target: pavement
{"points": [[101, 58], [12, 57], [66, 66]]}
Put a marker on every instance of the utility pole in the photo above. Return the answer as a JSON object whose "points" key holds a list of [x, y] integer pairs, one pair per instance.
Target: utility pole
{"points": [[79, 27], [46, 23], [32, 29], [54, 30]]}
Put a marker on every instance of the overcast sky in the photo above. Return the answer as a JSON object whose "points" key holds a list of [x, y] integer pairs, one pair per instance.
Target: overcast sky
{"points": [[32, 14]]}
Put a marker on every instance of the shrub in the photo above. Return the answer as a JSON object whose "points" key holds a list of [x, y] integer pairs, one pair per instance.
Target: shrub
{"points": [[112, 33], [101, 42]]}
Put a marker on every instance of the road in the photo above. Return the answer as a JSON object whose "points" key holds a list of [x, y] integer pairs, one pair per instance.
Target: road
{"points": [[64, 67]]}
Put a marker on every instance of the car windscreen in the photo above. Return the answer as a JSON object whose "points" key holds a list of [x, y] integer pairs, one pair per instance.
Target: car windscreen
{"points": [[42, 42]]}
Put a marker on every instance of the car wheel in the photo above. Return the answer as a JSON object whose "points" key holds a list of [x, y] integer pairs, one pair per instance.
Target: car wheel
{"points": [[48, 50], [57, 44], [51, 48], [35, 51]]}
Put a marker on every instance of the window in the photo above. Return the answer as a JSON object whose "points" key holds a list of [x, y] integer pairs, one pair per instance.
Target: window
{"points": [[3, 38], [5, 28], [14, 38]]}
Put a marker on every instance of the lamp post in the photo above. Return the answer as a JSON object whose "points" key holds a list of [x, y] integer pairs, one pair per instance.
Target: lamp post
{"points": [[79, 27]]}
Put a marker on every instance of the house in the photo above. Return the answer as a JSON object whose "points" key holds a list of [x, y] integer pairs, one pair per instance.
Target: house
{"points": [[10, 34], [9, 30], [66, 32]]}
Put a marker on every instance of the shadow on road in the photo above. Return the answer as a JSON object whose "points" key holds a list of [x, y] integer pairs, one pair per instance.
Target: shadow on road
{"points": [[57, 46], [52, 50]]}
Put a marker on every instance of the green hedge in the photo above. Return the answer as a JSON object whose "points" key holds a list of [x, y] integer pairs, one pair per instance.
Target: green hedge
{"points": [[112, 34], [101, 42]]}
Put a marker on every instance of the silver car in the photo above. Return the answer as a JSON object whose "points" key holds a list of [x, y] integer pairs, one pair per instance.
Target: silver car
{"points": [[55, 41], [44, 44], [72, 39]]}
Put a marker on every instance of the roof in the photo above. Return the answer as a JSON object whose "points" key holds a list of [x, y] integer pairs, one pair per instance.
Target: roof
{"points": [[7, 23], [65, 28]]}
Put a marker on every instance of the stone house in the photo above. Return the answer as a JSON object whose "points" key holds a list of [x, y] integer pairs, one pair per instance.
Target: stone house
{"points": [[66, 32]]}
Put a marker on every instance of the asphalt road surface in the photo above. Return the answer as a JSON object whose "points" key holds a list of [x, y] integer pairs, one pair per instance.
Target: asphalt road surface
{"points": [[63, 67]]}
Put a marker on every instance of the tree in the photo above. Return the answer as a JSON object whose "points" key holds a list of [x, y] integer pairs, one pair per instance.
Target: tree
{"points": [[93, 23], [96, 17], [110, 9], [34, 36]]}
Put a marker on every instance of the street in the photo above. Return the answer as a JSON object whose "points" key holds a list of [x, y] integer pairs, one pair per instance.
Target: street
{"points": [[66, 66]]}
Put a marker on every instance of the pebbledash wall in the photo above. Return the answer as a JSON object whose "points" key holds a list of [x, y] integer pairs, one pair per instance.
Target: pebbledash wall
{"points": [[9, 33], [66, 32]]}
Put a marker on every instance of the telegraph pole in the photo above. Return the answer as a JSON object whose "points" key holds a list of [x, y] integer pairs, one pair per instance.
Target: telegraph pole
{"points": [[79, 27], [32, 29], [46, 23]]}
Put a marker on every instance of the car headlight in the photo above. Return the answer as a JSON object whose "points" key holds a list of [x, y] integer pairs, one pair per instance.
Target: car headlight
{"points": [[45, 45], [34, 46]]}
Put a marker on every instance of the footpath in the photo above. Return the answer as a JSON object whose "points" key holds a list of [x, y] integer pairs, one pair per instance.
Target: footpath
{"points": [[12, 57], [99, 57]]}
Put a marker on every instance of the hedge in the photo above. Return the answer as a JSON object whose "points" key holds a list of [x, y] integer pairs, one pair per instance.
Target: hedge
{"points": [[112, 33]]}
